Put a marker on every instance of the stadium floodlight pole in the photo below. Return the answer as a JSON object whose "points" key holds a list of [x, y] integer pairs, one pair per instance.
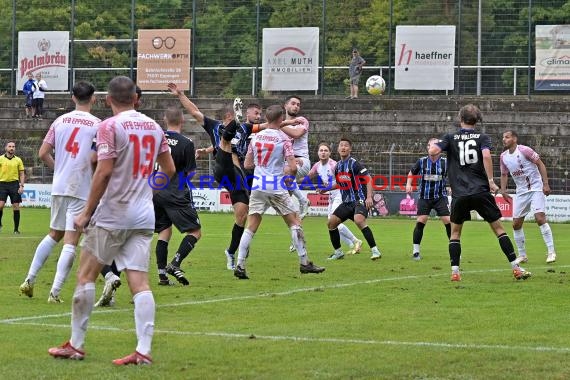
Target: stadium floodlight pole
{"points": [[132, 71], [193, 49], [529, 46], [479, 50], [255, 73], [13, 62], [458, 91], [390, 36], [323, 48], [71, 79]]}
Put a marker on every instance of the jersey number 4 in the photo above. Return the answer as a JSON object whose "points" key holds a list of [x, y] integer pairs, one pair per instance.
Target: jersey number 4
{"points": [[467, 152], [72, 146]]}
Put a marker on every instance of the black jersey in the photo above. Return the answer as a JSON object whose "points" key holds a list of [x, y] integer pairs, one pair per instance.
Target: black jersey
{"points": [[465, 160], [215, 129], [350, 179], [432, 177], [178, 194]]}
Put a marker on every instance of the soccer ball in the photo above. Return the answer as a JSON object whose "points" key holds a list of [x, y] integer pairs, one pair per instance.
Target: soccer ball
{"points": [[375, 85]]}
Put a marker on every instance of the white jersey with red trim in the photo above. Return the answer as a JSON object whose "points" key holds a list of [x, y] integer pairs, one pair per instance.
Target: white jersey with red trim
{"points": [[72, 136], [301, 144], [134, 141], [326, 175], [522, 166], [270, 149]]}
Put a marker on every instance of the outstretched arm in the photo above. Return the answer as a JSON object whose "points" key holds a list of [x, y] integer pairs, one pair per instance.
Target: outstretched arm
{"points": [[187, 103]]}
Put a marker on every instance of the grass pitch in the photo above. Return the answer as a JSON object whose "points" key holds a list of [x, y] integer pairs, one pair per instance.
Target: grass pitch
{"points": [[390, 319]]}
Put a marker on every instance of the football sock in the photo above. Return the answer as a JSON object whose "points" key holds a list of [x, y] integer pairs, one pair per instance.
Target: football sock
{"points": [[40, 256], [237, 232], [298, 237], [416, 248], [448, 230], [419, 232], [81, 308], [64, 265], [346, 235], [335, 238], [454, 252], [367, 232], [507, 247], [16, 220], [520, 241], [297, 193], [1, 214], [244, 246], [161, 255], [547, 237], [144, 320], [186, 245]]}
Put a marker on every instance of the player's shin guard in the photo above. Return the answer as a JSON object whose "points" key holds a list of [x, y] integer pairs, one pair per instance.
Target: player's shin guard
{"points": [[520, 241], [419, 232], [186, 245], [335, 238], [547, 236], [507, 247], [454, 252], [237, 232], [161, 255], [367, 232]]}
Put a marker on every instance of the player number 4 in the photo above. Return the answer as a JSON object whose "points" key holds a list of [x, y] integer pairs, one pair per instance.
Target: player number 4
{"points": [[467, 152], [72, 146]]}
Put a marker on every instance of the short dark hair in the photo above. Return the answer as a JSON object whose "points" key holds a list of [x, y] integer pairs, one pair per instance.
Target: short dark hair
{"points": [[470, 114], [83, 91], [173, 116], [122, 90], [293, 97], [253, 105], [347, 140], [273, 112], [512, 132]]}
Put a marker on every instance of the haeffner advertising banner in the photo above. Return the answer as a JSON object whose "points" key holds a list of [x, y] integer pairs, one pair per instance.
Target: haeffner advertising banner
{"points": [[290, 59], [424, 57], [46, 53], [163, 56], [552, 57]]}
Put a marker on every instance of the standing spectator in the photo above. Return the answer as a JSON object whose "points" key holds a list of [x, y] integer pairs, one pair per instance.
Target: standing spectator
{"points": [[432, 173], [268, 152], [529, 173], [119, 219], [174, 204], [40, 86], [71, 136], [471, 179], [12, 179], [355, 186], [28, 91], [354, 71], [324, 170]]}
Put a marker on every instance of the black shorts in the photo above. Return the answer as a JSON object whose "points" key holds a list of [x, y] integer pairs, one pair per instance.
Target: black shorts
{"points": [[184, 219], [231, 177], [347, 211], [439, 205], [483, 203], [10, 189]]}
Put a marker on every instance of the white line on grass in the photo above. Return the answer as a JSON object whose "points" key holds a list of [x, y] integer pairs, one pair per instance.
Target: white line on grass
{"points": [[260, 295], [434, 345]]}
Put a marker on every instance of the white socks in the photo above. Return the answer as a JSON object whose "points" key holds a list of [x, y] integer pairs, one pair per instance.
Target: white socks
{"points": [[346, 235], [64, 265], [244, 243], [81, 308], [43, 251], [144, 320], [299, 240], [520, 241], [547, 237]]}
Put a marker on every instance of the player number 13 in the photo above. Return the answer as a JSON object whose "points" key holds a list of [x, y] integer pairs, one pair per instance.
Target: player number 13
{"points": [[467, 152]]}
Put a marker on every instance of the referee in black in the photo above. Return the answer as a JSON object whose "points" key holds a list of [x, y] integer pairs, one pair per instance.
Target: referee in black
{"points": [[431, 170], [11, 183]]}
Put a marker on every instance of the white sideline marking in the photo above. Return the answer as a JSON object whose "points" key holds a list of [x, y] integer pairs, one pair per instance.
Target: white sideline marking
{"points": [[261, 295], [434, 345]]}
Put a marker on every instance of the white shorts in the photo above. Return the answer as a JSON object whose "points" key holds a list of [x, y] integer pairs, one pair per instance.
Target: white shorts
{"points": [[333, 204], [534, 201], [129, 248], [63, 210], [260, 201], [303, 170]]}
